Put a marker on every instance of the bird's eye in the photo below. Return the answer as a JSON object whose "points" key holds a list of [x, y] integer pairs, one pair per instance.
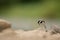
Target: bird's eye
{"points": [[39, 22]]}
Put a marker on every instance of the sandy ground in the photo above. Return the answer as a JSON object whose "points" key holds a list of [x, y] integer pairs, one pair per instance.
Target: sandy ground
{"points": [[8, 34], [28, 35], [38, 35]]}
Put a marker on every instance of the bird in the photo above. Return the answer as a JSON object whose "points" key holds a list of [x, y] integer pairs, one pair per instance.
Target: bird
{"points": [[42, 25]]}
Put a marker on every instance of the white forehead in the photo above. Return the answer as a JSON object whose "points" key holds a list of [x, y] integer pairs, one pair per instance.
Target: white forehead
{"points": [[41, 19]]}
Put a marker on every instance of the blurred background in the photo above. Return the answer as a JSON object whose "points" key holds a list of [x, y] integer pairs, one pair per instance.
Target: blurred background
{"points": [[24, 14]]}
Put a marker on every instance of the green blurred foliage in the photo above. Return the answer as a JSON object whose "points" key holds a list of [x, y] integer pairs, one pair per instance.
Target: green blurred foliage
{"points": [[30, 8]]}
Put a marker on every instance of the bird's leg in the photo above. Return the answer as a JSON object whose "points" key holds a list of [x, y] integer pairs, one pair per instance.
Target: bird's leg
{"points": [[46, 29]]}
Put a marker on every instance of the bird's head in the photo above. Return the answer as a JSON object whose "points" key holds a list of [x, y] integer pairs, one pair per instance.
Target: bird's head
{"points": [[41, 22], [42, 25]]}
